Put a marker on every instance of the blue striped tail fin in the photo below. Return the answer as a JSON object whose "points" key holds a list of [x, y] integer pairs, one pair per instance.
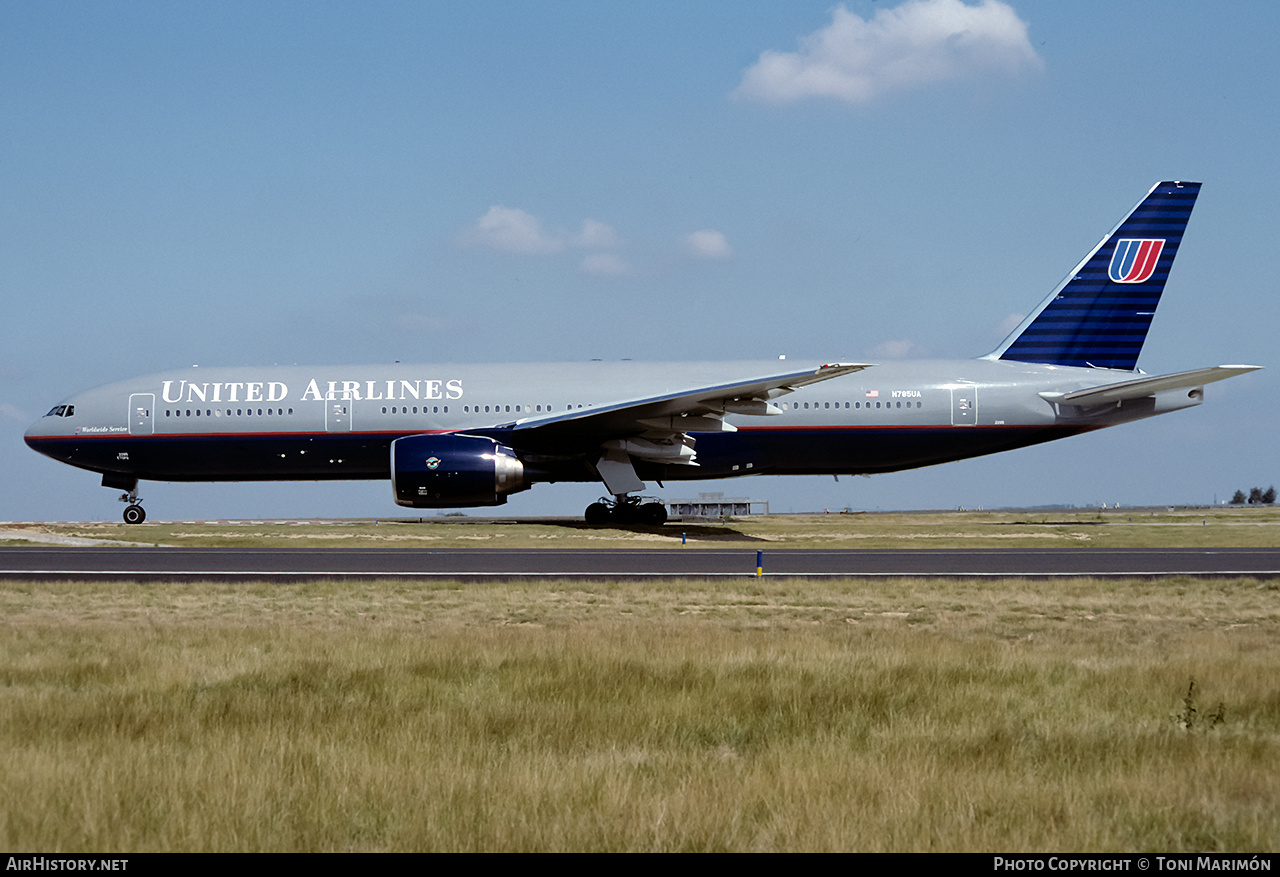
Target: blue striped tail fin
{"points": [[1100, 314]]}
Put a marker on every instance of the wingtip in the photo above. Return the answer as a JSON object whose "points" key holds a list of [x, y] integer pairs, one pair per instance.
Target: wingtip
{"points": [[845, 365]]}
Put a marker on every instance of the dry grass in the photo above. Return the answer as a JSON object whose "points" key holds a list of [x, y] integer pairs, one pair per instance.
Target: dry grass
{"points": [[705, 715]]}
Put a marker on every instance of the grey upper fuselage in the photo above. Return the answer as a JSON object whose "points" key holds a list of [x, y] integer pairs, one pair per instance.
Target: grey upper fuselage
{"points": [[303, 422]]}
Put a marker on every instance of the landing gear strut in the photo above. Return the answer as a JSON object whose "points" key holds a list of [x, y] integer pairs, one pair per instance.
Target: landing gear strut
{"points": [[134, 513], [624, 509]]}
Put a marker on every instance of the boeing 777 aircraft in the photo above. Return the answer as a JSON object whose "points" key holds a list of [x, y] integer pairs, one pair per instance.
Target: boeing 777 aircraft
{"points": [[449, 436]]}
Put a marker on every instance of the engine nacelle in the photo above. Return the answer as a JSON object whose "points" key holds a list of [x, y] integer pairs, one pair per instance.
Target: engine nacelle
{"points": [[448, 471]]}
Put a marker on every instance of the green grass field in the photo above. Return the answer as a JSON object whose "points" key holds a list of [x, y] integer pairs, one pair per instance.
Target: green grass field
{"points": [[756, 714], [1218, 527]]}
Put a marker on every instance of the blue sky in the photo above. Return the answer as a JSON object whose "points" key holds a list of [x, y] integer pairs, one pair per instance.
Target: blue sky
{"points": [[248, 184]]}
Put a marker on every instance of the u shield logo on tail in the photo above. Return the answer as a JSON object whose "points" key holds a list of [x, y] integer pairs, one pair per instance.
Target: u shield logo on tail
{"points": [[1135, 260]]}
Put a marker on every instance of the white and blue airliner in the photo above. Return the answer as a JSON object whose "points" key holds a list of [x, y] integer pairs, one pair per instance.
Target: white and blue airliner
{"points": [[449, 436]]}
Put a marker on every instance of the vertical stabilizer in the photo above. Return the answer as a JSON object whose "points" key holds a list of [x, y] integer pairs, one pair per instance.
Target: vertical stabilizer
{"points": [[1100, 314]]}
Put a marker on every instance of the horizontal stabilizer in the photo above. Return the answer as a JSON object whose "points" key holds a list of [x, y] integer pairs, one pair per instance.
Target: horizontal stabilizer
{"points": [[1148, 385]]}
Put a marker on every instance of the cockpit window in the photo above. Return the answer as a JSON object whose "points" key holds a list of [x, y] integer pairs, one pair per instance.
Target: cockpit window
{"points": [[61, 411]]}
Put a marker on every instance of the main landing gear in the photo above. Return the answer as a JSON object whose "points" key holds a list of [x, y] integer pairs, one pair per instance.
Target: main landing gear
{"points": [[624, 509]]}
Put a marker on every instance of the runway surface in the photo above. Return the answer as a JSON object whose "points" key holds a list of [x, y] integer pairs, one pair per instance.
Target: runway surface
{"points": [[270, 563]]}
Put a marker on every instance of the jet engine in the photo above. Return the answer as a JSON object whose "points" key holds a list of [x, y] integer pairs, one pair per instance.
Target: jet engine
{"points": [[452, 470]]}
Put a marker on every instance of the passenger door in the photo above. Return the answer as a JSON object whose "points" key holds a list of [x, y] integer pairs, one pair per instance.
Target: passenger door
{"points": [[337, 416], [142, 414], [964, 405]]}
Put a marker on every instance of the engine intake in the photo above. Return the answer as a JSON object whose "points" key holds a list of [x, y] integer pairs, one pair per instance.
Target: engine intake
{"points": [[448, 471]]}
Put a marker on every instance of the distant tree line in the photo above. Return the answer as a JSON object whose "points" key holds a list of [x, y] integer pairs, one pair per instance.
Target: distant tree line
{"points": [[1257, 496]]}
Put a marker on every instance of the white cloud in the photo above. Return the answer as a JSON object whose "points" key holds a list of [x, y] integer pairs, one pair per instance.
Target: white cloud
{"points": [[596, 236], [1008, 324], [13, 413], [605, 265], [894, 349], [707, 244], [917, 43], [512, 230]]}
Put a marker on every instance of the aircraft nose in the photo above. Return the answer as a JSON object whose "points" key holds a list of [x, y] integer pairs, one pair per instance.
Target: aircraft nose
{"points": [[34, 433], [38, 434]]}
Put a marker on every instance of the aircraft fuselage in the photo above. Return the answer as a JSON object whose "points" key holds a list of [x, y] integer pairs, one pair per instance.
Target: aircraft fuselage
{"points": [[287, 423]]}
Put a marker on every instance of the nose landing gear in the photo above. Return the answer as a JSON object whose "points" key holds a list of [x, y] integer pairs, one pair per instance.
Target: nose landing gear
{"points": [[624, 509], [134, 513]]}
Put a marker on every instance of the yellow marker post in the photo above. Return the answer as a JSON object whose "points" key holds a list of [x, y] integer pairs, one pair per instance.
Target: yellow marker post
{"points": [[759, 563]]}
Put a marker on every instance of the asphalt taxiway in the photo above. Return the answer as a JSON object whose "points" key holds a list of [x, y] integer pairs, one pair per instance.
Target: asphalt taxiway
{"points": [[158, 564]]}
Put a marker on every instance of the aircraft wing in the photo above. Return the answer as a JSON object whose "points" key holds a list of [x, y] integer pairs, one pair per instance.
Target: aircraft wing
{"points": [[694, 409], [1148, 385]]}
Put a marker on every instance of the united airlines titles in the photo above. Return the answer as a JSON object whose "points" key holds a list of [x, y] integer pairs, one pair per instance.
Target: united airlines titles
{"points": [[317, 390]]}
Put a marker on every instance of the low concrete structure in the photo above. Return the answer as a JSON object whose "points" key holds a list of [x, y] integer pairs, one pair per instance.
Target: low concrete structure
{"points": [[717, 505]]}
